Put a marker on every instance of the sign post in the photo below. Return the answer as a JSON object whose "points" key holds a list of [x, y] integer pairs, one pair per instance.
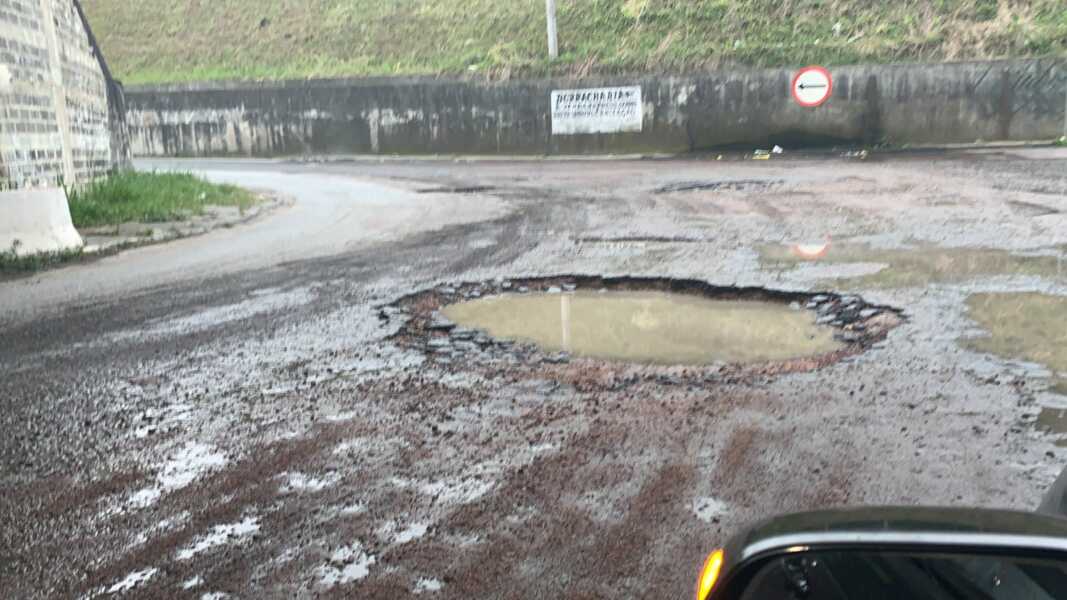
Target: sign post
{"points": [[812, 86], [550, 17]]}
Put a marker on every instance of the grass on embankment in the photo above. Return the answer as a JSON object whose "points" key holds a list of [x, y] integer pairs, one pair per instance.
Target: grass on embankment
{"points": [[131, 196], [155, 41]]}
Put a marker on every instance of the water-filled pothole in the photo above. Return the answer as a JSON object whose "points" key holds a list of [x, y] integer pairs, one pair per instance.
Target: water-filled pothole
{"points": [[1053, 421], [635, 327], [650, 327], [1028, 327]]}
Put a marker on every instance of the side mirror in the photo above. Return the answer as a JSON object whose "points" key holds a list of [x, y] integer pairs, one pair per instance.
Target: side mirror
{"points": [[890, 554]]}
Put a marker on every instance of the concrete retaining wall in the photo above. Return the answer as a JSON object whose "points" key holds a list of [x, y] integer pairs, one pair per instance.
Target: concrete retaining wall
{"points": [[936, 103], [36, 221], [57, 100]]}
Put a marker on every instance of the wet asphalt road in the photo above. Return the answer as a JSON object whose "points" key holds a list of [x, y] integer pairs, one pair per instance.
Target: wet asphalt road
{"points": [[228, 415]]}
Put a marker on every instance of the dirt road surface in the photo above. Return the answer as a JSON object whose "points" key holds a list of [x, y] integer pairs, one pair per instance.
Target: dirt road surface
{"points": [[228, 416]]}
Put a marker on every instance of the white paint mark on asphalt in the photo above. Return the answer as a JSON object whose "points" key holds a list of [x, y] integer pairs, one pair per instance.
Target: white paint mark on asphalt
{"points": [[708, 509], [214, 596], [132, 580], [189, 584], [453, 491], [219, 535], [280, 390], [481, 243], [145, 497], [182, 469], [347, 564], [428, 584], [190, 463], [340, 417], [289, 435], [354, 509], [542, 448], [300, 482], [411, 533]]}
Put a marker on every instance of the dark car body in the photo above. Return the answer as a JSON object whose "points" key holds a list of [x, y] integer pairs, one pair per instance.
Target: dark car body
{"points": [[974, 532]]}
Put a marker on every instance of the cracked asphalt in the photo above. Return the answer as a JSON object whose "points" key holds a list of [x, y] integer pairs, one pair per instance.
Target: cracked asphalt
{"points": [[227, 415]]}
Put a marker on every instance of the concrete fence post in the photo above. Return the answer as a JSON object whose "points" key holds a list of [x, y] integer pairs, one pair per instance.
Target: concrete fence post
{"points": [[550, 17]]}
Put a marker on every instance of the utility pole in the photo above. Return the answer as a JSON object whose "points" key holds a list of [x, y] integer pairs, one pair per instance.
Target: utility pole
{"points": [[553, 42]]}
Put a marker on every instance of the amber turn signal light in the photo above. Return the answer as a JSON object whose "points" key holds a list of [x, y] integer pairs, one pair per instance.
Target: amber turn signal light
{"points": [[709, 574]]}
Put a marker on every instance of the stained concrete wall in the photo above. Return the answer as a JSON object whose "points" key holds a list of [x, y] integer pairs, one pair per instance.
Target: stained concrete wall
{"points": [[914, 103], [58, 104]]}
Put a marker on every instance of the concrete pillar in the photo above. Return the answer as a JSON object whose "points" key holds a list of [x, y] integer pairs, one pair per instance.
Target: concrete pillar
{"points": [[57, 90]]}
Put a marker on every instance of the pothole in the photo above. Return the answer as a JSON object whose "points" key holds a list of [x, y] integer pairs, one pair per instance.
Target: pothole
{"points": [[660, 328], [651, 326], [1027, 327], [1053, 421]]}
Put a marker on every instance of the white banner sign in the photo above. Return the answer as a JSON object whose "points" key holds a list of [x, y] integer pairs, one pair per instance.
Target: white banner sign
{"points": [[597, 110]]}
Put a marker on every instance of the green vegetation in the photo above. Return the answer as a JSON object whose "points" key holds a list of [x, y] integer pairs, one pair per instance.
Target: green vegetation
{"points": [[11, 263], [152, 41], [129, 197], [149, 198]]}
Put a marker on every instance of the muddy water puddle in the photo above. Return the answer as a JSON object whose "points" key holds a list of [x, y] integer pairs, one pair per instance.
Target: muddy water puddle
{"points": [[1027, 326], [1030, 327], [916, 266], [1053, 421], [650, 327]]}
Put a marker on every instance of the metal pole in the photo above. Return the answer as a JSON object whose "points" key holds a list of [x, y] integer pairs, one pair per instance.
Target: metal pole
{"points": [[550, 15], [565, 321]]}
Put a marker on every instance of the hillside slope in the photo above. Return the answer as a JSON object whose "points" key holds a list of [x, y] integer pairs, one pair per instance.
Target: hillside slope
{"points": [[151, 41]]}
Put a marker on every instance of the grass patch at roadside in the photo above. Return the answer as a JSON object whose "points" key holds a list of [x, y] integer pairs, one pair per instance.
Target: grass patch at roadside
{"points": [[13, 264], [142, 197]]}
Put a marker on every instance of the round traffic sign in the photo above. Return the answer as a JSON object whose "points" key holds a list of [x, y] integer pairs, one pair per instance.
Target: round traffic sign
{"points": [[812, 86]]}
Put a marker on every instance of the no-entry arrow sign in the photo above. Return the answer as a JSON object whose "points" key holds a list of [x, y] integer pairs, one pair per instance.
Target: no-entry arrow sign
{"points": [[812, 86]]}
